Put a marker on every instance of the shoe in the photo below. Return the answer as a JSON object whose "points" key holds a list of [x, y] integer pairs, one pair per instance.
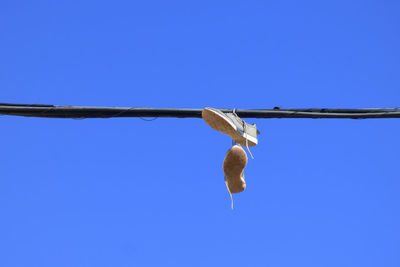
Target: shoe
{"points": [[230, 124], [234, 163]]}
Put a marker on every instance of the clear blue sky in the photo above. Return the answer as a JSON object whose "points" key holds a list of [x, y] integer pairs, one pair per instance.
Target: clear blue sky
{"points": [[126, 192]]}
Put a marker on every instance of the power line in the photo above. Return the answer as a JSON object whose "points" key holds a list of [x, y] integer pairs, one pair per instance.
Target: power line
{"points": [[53, 111]]}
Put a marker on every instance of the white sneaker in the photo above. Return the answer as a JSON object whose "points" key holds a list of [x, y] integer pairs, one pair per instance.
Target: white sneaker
{"points": [[234, 163], [229, 123]]}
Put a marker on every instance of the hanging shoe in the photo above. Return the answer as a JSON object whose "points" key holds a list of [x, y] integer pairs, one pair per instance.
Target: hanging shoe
{"points": [[234, 163], [229, 123]]}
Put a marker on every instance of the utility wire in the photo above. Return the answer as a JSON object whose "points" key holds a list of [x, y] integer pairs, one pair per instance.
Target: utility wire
{"points": [[52, 111]]}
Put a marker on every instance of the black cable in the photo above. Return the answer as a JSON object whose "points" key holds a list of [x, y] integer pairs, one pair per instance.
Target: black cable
{"points": [[52, 111]]}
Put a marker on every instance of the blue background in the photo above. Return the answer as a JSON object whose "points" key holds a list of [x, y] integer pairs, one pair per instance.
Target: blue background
{"points": [[127, 192]]}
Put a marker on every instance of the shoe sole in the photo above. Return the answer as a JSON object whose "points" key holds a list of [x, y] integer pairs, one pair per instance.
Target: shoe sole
{"points": [[234, 163], [221, 124]]}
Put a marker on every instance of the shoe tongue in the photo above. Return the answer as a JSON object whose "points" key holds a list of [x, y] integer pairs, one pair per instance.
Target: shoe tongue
{"points": [[238, 121]]}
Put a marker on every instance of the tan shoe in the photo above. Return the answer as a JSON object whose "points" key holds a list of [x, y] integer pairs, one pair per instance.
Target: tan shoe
{"points": [[230, 124], [234, 163]]}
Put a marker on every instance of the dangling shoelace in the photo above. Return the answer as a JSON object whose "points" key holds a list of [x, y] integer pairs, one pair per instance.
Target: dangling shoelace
{"points": [[230, 194], [245, 132]]}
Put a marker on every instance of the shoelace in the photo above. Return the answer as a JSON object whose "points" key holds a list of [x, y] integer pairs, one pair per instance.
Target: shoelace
{"points": [[245, 132], [230, 194]]}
